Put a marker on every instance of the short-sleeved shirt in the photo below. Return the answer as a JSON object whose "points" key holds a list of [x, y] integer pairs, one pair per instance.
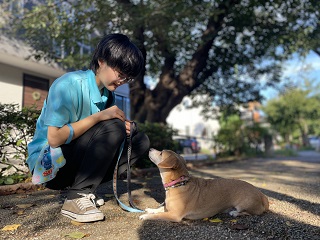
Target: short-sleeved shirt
{"points": [[72, 97]]}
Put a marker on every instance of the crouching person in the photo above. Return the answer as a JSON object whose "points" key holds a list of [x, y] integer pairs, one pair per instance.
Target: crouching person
{"points": [[81, 132]]}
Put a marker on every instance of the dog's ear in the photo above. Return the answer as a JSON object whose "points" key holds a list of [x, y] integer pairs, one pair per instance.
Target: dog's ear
{"points": [[168, 164], [170, 161]]}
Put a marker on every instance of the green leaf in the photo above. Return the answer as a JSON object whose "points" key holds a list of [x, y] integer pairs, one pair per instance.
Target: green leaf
{"points": [[215, 220], [8, 181], [19, 142]]}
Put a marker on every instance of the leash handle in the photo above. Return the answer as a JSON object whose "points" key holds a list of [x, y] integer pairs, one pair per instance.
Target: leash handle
{"points": [[133, 208]]}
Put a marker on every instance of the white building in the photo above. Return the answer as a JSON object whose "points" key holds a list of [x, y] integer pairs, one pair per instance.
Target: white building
{"points": [[189, 122], [23, 81]]}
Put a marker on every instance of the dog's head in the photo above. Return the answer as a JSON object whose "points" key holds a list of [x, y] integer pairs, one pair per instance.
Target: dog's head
{"points": [[170, 164]]}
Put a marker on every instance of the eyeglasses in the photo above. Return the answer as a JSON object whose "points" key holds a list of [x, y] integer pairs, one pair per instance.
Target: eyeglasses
{"points": [[126, 80], [122, 79]]}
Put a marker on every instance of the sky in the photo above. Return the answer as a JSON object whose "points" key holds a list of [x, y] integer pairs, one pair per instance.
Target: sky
{"points": [[293, 70]]}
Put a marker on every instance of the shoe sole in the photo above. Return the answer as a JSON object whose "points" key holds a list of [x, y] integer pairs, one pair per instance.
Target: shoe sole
{"points": [[83, 217]]}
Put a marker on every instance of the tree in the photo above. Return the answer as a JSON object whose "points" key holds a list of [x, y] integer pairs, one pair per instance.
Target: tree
{"points": [[230, 136], [17, 127], [295, 110], [238, 136], [218, 49]]}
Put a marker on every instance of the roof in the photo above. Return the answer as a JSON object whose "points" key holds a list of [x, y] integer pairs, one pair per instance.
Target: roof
{"points": [[15, 53]]}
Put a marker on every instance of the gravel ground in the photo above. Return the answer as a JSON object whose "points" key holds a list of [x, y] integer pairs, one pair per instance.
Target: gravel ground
{"points": [[291, 184]]}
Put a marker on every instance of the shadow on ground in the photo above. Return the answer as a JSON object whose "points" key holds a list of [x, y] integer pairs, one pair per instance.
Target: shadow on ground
{"points": [[38, 213]]}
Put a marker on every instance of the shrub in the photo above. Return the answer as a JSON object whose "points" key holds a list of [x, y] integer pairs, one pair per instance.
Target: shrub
{"points": [[160, 136], [17, 128]]}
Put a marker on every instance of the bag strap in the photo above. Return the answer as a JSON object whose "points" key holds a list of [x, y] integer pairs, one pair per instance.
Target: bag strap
{"points": [[133, 208]]}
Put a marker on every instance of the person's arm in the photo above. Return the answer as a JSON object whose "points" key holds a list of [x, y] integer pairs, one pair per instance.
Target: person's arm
{"points": [[58, 136]]}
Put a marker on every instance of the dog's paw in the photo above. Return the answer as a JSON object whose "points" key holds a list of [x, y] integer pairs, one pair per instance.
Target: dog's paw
{"points": [[143, 217], [151, 210], [234, 213], [155, 210]]}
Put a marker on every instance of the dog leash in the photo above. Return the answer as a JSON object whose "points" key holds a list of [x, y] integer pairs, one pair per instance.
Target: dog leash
{"points": [[133, 208]]}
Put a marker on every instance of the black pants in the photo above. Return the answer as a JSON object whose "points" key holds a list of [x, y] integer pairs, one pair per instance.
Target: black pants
{"points": [[91, 158]]}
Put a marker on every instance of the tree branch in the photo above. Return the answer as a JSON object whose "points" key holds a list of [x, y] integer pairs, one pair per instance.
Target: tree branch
{"points": [[189, 75]]}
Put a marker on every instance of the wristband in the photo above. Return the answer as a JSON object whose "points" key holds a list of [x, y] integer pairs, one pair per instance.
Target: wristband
{"points": [[70, 134]]}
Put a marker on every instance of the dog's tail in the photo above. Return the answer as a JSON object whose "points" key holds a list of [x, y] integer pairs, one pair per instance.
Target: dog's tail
{"points": [[265, 202]]}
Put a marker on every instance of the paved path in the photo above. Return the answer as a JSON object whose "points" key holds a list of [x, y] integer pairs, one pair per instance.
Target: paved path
{"points": [[291, 184], [309, 156]]}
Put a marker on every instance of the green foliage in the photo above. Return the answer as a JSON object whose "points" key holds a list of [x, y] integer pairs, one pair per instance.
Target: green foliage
{"points": [[56, 28], [17, 129], [160, 136], [237, 138], [286, 152], [214, 48], [13, 179], [230, 134], [294, 115]]}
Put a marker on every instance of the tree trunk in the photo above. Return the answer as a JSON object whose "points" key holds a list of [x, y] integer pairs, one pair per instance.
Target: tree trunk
{"points": [[268, 144], [155, 105], [304, 129]]}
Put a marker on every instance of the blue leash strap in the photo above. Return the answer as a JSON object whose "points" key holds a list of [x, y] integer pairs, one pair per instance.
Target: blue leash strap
{"points": [[133, 208]]}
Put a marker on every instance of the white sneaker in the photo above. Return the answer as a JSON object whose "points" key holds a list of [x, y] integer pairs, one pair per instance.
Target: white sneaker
{"points": [[82, 209]]}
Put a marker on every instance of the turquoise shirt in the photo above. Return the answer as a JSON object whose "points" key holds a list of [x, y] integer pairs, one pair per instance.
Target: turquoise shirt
{"points": [[72, 97]]}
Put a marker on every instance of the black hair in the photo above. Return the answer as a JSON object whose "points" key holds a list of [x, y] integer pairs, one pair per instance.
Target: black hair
{"points": [[119, 53]]}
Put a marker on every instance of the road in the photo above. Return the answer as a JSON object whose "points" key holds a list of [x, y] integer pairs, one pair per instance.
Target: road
{"points": [[309, 156]]}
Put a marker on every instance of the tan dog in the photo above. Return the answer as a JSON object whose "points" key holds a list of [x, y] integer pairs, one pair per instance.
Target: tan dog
{"points": [[189, 197]]}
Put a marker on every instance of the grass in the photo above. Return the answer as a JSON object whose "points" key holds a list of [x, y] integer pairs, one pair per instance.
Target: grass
{"points": [[286, 153]]}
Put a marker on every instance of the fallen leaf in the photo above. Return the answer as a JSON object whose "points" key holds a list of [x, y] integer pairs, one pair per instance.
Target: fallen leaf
{"points": [[136, 201], [20, 212], [288, 223], [40, 187], [24, 206], [205, 219], [110, 195], [22, 196], [215, 220], [51, 196], [11, 227], [29, 179], [233, 220], [239, 227], [76, 223], [76, 235]]}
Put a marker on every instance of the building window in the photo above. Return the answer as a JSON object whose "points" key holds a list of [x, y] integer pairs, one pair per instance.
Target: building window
{"points": [[124, 104], [35, 90]]}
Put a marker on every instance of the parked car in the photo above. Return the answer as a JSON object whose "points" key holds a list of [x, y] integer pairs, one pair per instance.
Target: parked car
{"points": [[188, 145], [315, 142]]}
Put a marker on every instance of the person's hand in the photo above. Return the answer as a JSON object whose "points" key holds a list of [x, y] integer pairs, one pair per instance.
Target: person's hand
{"points": [[112, 112], [128, 126]]}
